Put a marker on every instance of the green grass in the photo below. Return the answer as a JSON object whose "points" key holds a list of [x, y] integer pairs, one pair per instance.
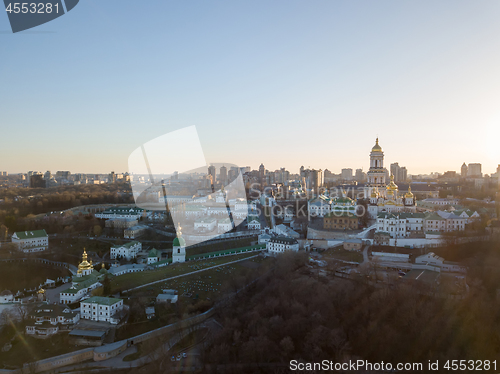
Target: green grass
{"points": [[131, 280], [206, 288], [209, 285], [343, 255]]}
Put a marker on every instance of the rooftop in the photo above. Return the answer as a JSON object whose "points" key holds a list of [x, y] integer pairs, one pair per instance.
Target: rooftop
{"points": [[127, 245], [30, 234], [284, 240], [102, 300]]}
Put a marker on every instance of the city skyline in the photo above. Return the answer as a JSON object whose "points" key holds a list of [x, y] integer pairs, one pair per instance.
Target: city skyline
{"points": [[339, 171], [315, 95]]}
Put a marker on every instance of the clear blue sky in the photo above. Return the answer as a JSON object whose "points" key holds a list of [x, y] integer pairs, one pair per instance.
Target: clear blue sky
{"points": [[286, 83]]}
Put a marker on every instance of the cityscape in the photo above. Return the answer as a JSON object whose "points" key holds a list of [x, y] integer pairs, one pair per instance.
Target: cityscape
{"points": [[115, 273], [261, 187]]}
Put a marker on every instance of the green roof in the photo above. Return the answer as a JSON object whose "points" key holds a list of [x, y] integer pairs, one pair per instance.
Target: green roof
{"points": [[85, 278], [227, 251], [52, 310], [168, 260], [342, 200], [179, 242], [31, 234], [340, 214], [434, 216], [101, 300], [153, 253]]}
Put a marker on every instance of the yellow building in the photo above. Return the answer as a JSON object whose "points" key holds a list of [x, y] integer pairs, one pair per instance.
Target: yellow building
{"points": [[340, 221]]}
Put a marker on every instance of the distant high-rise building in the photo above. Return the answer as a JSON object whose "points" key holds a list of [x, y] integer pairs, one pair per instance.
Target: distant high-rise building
{"points": [[223, 175], [233, 173], [360, 176], [317, 180], [112, 177], [30, 176], [464, 170], [205, 181], [498, 176], [399, 172], [403, 174], [346, 174], [313, 179], [395, 170], [262, 172], [475, 171], [211, 172], [282, 175], [37, 181], [47, 175], [63, 174]]}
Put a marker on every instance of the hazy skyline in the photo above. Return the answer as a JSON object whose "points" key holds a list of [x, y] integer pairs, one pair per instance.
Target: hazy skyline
{"points": [[284, 83]]}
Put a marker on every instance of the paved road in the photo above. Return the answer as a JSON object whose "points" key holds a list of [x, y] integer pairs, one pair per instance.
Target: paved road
{"points": [[117, 361], [52, 294], [190, 273]]}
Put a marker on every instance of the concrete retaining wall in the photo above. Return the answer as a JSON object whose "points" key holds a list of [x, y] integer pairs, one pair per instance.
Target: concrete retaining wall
{"points": [[108, 351]]}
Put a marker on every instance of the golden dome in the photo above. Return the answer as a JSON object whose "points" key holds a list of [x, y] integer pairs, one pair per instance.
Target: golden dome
{"points": [[392, 186], [41, 290], [377, 147], [409, 194], [84, 265]]}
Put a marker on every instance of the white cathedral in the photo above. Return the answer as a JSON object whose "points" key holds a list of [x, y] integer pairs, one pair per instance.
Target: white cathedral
{"points": [[385, 198]]}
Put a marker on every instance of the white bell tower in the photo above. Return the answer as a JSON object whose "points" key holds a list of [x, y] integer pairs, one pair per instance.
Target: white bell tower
{"points": [[376, 173]]}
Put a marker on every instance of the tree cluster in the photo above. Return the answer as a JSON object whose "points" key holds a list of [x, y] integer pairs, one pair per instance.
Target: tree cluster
{"points": [[290, 315]]}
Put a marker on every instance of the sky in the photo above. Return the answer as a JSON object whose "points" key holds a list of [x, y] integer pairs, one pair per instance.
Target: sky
{"points": [[280, 82]]}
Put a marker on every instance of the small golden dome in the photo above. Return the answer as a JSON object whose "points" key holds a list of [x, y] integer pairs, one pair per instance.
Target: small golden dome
{"points": [[84, 265], [377, 147], [409, 194], [392, 186]]}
